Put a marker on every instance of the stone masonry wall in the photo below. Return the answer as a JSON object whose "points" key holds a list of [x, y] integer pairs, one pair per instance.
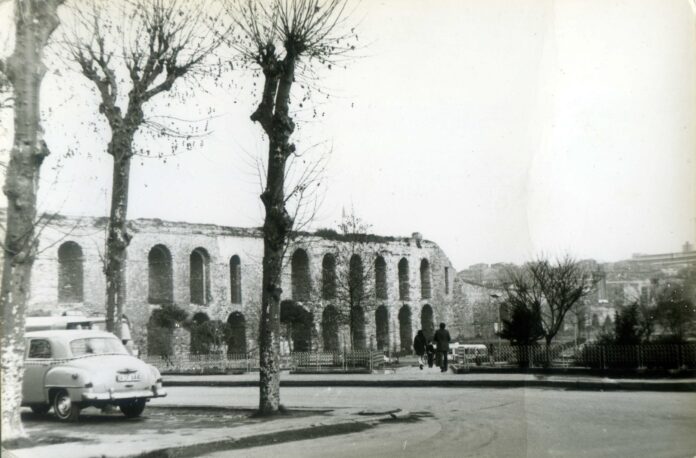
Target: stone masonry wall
{"points": [[221, 243]]}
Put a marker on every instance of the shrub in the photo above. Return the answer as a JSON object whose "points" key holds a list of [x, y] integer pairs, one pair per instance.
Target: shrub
{"points": [[208, 337]]}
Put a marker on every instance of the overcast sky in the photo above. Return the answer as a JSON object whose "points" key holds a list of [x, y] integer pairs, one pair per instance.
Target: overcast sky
{"points": [[499, 129]]}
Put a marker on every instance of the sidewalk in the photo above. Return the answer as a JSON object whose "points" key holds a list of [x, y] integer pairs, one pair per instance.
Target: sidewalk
{"points": [[186, 430], [413, 377], [111, 436]]}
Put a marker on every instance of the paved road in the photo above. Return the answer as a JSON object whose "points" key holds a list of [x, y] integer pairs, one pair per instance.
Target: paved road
{"points": [[484, 422]]}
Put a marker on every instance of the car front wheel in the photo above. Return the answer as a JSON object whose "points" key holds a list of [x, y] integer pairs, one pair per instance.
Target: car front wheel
{"points": [[64, 408], [133, 409]]}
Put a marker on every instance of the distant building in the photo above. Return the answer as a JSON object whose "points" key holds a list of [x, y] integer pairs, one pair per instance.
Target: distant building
{"points": [[478, 292]]}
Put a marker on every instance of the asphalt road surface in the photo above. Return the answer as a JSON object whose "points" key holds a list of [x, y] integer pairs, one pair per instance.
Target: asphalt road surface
{"points": [[462, 422]]}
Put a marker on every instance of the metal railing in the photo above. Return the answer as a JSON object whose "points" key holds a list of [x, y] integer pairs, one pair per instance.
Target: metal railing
{"points": [[649, 356], [248, 362], [593, 356], [562, 355]]}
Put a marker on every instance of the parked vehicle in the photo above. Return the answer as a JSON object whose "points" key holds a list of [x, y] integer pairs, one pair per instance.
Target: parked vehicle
{"points": [[65, 321], [68, 370], [77, 320], [471, 354]]}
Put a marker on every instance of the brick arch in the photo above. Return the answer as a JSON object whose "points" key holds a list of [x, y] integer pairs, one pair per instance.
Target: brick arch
{"points": [[404, 281], [427, 321], [236, 336], [357, 328], [299, 322], [235, 280], [70, 272], [426, 290], [201, 333], [405, 328], [355, 275], [381, 289], [200, 318], [300, 276], [199, 280], [382, 327], [329, 328], [328, 276], [159, 275]]}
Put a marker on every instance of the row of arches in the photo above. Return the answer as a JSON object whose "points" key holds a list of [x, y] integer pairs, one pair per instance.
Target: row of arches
{"points": [[205, 335], [301, 282], [299, 329], [160, 278], [160, 275], [301, 322]]}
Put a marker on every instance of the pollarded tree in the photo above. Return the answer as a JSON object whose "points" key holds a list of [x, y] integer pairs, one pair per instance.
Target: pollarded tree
{"points": [[132, 52], [35, 21], [280, 39]]}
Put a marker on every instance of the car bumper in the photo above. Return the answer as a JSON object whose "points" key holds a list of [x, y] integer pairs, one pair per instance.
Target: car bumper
{"points": [[116, 396]]}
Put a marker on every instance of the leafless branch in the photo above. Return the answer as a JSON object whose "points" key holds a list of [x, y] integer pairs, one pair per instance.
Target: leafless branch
{"points": [[136, 49], [550, 288]]}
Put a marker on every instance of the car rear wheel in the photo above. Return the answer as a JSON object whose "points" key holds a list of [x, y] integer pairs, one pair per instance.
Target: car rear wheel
{"points": [[133, 409], [40, 409], [64, 408]]}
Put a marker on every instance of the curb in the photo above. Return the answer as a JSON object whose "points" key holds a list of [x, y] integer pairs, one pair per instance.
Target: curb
{"points": [[570, 385], [365, 418]]}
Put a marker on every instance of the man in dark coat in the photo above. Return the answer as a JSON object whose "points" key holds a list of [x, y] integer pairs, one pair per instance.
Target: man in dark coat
{"points": [[419, 347], [442, 339]]}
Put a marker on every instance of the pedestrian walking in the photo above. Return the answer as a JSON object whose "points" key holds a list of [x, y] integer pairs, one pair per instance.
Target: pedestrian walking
{"points": [[430, 351], [442, 339], [419, 344]]}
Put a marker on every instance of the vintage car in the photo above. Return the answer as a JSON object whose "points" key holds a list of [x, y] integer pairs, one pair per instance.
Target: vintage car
{"points": [[72, 369]]}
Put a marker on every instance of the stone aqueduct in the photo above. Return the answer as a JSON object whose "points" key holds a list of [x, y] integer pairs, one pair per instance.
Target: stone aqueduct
{"points": [[214, 272]]}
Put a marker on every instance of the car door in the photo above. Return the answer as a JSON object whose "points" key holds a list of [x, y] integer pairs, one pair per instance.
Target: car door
{"points": [[38, 360]]}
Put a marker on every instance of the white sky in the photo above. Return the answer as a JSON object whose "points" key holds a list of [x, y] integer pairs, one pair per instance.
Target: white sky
{"points": [[499, 129]]}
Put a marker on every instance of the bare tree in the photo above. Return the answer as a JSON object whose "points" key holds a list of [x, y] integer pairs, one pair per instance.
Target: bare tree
{"points": [[35, 21], [548, 289], [280, 39], [133, 51], [354, 277]]}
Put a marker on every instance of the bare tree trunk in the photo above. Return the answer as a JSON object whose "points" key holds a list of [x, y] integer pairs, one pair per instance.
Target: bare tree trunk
{"points": [[547, 352], [35, 21], [276, 227], [275, 230], [118, 238], [269, 332]]}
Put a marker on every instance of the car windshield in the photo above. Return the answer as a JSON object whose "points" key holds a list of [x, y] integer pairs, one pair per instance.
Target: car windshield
{"points": [[97, 346]]}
